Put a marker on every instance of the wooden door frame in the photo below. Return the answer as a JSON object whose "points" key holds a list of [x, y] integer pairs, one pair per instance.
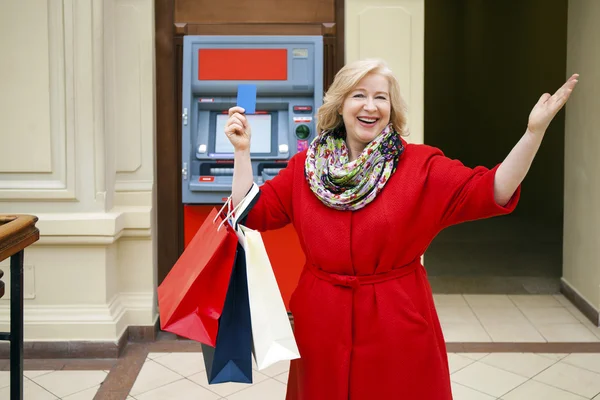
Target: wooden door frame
{"points": [[169, 223]]}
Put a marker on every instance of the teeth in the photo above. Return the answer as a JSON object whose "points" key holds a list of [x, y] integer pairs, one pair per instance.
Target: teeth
{"points": [[368, 120]]}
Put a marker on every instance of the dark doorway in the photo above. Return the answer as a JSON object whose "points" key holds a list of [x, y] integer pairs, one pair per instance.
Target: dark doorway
{"points": [[486, 65]]}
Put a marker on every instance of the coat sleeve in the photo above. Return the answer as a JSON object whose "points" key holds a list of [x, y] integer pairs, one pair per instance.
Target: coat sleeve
{"points": [[273, 210], [459, 193]]}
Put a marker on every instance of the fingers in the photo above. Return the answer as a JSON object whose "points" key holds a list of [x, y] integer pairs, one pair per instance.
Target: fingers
{"points": [[571, 82], [236, 109], [564, 92], [544, 98], [239, 119], [562, 95], [237, 124], [234, 129]]}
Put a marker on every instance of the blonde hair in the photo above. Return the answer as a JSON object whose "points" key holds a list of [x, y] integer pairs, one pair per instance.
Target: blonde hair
{"points": [[328, 116]]}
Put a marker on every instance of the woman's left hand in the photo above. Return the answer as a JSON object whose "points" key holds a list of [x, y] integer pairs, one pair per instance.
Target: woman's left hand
{"points": [[548, 106]]}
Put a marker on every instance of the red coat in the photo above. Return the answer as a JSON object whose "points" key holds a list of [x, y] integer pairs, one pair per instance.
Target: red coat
{"points": [[364, 315]]}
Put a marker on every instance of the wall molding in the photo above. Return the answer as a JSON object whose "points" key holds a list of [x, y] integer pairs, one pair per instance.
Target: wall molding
{"points": [[94, 228], [580, 302], [134, 185], [109, 320], [73, 349]]}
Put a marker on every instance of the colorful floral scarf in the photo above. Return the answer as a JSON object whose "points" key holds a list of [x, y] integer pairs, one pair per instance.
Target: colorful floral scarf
{"points": [[344, 185]]}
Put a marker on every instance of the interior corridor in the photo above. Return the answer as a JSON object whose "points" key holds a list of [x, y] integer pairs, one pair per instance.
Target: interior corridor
{"points": [[486, 65]]}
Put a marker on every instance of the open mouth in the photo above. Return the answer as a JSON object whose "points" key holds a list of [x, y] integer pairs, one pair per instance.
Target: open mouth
{"points": [[367, 120]]}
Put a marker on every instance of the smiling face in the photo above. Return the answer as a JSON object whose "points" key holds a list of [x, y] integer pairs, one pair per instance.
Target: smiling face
{"points": [[366, 112]]}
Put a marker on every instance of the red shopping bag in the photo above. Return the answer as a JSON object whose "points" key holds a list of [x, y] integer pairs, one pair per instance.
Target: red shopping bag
{"points": [[191, 297]]}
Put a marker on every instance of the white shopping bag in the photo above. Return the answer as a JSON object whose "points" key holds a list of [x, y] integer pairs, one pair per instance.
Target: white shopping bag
{"points": [[272, 335]]}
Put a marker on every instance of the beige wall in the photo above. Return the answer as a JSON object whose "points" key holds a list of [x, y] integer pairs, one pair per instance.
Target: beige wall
{"points": [[392, 30], [582, 146], [77, 112]]}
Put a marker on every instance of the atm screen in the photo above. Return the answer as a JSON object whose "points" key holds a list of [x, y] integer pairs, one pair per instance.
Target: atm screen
{"points": [[261, 134]]}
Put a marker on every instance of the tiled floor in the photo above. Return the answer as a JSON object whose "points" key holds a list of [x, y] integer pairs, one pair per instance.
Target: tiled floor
{"points": [[176, 371], [508, 376], [52, 385], [475, 376], [513, 318]]}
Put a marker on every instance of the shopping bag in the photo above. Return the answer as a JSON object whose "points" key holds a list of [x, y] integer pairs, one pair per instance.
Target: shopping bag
{"points": [[272, 336], [231, 359], [192, 295]]}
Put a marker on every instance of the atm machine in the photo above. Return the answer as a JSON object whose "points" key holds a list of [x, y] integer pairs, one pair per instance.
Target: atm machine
{"points": [[288, 73]]}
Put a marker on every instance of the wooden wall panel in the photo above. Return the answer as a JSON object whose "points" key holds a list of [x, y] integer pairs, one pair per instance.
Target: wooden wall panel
{"points": [[248, 29], [329, 60], [168, 149], [254, 11]]}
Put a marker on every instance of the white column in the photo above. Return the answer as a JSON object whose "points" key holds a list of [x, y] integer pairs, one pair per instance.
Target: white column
{"points": [[581, 245]]}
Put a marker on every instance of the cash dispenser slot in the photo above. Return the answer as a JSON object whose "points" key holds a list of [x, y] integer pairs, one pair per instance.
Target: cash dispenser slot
{"points": [[212, 177], [268, 171], [216, 169]]}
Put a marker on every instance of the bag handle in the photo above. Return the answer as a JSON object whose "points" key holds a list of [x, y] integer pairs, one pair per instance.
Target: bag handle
{"points": [[245, 206], [228, 204], [229, 212]]}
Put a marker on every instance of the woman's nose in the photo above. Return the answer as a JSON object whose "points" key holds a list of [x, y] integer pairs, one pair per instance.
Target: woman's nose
{"points": [[369, 104]]}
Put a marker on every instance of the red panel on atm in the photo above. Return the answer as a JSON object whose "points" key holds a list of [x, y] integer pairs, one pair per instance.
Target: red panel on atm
{"points": [[242, 64]]}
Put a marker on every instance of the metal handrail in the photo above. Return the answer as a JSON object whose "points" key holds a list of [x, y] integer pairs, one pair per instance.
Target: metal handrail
{"points": [[16, 233]]}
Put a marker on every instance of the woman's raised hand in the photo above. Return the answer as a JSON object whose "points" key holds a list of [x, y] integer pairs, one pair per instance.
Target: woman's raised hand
{"points": [[238, 129], [549, 105]]}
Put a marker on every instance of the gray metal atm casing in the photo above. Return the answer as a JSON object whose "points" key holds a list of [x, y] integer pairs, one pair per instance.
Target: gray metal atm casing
{"points": [[202, 101]]}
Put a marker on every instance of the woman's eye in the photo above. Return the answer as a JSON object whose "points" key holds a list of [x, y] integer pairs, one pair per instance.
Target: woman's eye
{"points": [[382, 97], [358, 95]]}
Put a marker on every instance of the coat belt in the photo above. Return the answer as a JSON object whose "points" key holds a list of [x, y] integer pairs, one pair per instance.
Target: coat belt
{"points": [[355, 281]]}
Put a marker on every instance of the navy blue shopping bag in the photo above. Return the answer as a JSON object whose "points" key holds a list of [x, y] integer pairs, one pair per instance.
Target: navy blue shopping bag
{"points": [[231, 359]]}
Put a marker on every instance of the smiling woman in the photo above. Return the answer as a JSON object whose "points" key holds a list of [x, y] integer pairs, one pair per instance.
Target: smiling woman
{"points": [[363, 99], [366, 112], [366, 205]]}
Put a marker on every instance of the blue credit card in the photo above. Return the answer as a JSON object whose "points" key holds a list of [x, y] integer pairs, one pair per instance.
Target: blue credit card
{"points": [[246, 98]]}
